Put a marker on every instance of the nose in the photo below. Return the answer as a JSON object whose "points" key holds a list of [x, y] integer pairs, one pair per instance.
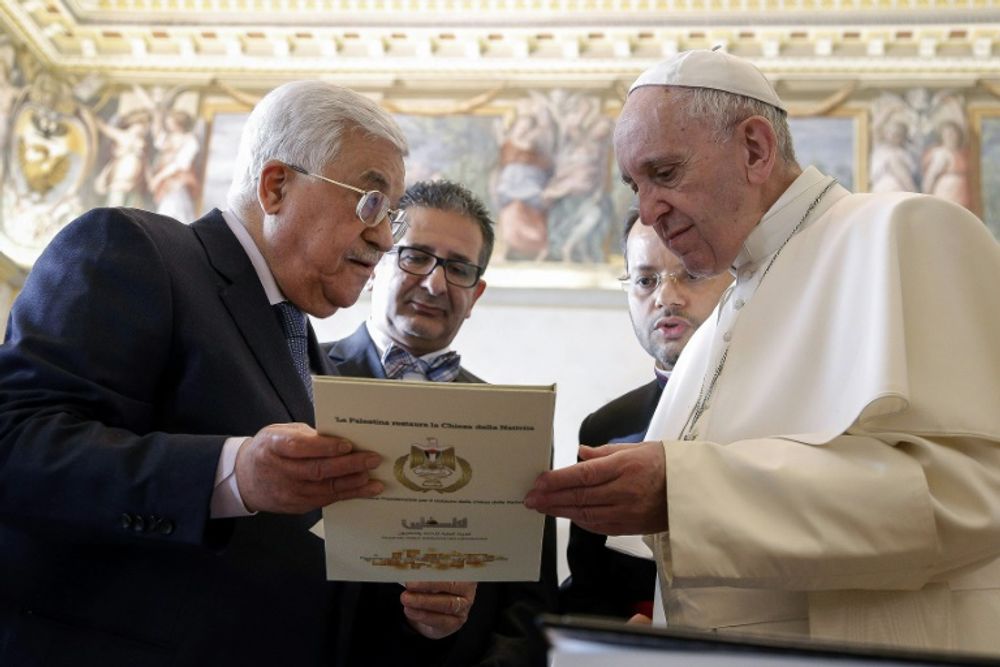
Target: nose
{"points": [[379, 236], [434, 281], [652, 204], [669, 293]]}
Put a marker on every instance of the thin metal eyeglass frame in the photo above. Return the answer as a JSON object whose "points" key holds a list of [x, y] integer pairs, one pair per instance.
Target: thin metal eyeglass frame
{"points": [[397, 226], [661, 278], [438, 261]]}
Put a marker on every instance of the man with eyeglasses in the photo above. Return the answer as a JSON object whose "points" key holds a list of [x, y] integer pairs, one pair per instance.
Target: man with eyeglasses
{"points": [[615, 576], [159, 469], [422, 292]]}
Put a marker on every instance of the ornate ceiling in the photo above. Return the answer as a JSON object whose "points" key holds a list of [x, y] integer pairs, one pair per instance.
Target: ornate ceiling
{"points": [[379, 44]]}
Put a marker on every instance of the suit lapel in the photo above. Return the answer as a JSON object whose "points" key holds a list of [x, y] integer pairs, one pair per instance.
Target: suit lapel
{"points": [[243, 296], [466, 376], [357, 356]]}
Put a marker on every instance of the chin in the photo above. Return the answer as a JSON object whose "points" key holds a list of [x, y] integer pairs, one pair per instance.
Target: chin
{"points": [[334, 302], [419, 333], [668, 359]]}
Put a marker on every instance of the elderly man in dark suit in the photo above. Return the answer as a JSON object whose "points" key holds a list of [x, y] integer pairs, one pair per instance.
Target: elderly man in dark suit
{"points": [[159, 471], [666, 305], [422, 292]]}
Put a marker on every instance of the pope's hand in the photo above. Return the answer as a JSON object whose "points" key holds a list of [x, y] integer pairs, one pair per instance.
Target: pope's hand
{"points": [[614, 490]]}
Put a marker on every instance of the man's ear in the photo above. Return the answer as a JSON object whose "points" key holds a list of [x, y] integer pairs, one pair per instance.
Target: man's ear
{"points": [[477, 292], [761, 145], [274, 177]]}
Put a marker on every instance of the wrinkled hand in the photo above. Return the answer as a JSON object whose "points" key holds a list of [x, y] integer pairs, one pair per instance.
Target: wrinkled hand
{"points": [[614, 490], [291, 469], [437, 609]]}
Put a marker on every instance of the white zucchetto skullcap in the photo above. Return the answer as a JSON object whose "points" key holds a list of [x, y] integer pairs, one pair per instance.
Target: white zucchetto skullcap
{"points": [[717, 70]]}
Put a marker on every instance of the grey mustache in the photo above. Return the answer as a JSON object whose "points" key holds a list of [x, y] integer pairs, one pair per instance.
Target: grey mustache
{"points": [[366, 256]]}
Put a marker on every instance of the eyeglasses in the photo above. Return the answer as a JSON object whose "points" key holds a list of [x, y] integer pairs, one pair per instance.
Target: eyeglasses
{"points": [[422, 263], [372, 208], [645, 283]]}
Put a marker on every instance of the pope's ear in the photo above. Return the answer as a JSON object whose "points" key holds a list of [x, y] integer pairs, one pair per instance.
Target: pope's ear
{"points": [[271, 186], [761, 145]]}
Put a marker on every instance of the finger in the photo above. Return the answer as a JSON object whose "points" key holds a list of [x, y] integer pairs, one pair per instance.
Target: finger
{"points": [[312, 445], [330, 467], [464, 588], [369, 490], [331, 491], [603, 495], [586, 473], [320, 494], [348, 482], [298, 440], [444, 604], [587, 453]]}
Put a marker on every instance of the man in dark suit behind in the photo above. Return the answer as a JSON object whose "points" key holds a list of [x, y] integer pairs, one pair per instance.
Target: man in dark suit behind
{"points": [[422, 292], [666, 305], [159, 471]]}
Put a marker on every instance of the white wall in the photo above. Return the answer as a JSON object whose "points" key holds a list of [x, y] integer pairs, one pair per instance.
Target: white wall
{"points": [[581, 340]]}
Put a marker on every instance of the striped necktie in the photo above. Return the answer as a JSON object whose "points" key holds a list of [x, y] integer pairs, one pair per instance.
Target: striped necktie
{"points": [[293, 323]]}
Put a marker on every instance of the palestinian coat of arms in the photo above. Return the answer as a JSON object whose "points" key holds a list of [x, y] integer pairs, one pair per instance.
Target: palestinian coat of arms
{"points": [[431, 467]]}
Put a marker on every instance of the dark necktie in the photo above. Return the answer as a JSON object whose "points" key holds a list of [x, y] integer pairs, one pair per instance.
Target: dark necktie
{"points": [[397, 361], [293, 323]]}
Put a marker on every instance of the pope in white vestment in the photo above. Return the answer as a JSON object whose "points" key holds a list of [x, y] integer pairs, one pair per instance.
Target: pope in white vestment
{"points": [[843, 480], [825, 461]]}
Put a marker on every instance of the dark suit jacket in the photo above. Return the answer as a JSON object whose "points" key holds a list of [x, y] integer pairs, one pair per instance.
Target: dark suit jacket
{"points": [[137, 345], [602, 581], [501, 626]]}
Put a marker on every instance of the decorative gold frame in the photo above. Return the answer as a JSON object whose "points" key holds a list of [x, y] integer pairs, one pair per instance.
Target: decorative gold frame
{"points": [[978, 116]]}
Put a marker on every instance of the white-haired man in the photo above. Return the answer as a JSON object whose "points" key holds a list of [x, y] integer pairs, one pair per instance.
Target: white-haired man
{"points": [[825, 460], [158, 464]]}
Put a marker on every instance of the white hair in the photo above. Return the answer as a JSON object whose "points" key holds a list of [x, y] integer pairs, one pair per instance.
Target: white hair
{"points": [[724, 110], [302, 123]]}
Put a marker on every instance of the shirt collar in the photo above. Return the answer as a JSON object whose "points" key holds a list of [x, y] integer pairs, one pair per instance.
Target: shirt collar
{"points": [[271, 289], [779, 221], [383, 341], [661, 375]]}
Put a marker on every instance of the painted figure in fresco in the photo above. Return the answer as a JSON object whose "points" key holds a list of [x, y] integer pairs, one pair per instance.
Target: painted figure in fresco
{"points": [[551, 188], [526, 165], [893, 166], [946, 166], [174, 181], [578, 200], [122, 178]]}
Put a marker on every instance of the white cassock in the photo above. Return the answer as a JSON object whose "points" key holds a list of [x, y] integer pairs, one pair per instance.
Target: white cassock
{"points": [[844, 481]]}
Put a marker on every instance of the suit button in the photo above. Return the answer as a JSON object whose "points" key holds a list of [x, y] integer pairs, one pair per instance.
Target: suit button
{"points": [[126, 521], [138, 524], [165, 527]]}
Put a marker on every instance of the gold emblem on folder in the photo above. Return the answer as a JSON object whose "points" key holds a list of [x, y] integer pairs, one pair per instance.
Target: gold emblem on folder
{"points": [[431, 467]]}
